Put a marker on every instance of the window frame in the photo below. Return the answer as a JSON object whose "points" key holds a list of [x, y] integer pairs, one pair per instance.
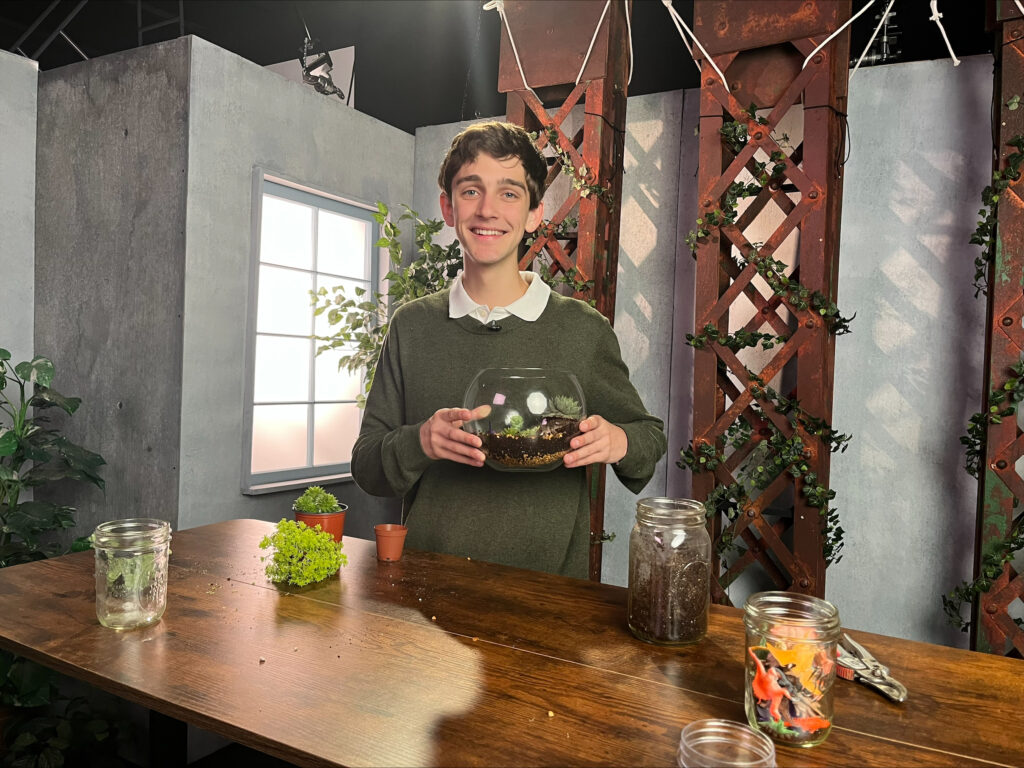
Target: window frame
{"points": [[279, 186]]}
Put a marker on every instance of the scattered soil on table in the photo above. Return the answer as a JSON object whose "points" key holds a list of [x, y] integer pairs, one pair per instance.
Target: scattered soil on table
{"points": [[549, 445]]}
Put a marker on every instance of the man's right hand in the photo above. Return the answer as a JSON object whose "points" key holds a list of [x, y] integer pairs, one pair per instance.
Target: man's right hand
{"points": [[441, 436]]}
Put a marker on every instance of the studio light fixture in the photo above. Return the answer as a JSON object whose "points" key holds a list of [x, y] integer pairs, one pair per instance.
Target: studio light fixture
{"points": [[317, 65]]}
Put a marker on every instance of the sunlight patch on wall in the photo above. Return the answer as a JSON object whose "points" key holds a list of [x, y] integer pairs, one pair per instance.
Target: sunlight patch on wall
{"points": [[889, 330], [637, 238], [913, 281], [646, 133], [897, 416]]}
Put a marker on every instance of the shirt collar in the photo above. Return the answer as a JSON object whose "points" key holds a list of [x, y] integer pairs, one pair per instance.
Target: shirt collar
{"points": [[528, 307]]}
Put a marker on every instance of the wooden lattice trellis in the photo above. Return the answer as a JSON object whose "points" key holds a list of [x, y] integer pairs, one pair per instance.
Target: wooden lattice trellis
{"points": [[992, 627], [552, 39], [760, 47]]}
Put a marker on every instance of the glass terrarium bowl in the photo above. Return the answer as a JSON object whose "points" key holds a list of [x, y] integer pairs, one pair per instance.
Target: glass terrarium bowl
{"points": [[534, 413]]}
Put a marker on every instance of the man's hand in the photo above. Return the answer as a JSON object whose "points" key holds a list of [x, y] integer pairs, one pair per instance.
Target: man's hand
{"points": [[601, 443], [441, 436]]}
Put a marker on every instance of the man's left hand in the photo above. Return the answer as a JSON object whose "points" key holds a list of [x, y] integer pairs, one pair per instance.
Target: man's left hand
{"points": [[601, 443]]}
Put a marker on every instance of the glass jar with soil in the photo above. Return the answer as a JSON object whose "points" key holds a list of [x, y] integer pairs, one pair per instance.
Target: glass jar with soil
{"points": [[669, 572], [531, 415]]}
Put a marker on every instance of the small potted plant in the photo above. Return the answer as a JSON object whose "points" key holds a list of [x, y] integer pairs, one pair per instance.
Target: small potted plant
{"points": [[316, 507], [301, 555]]}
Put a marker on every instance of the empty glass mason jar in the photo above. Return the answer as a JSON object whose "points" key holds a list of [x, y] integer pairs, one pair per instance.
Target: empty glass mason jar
{"points": [[723, 744], [131, 571], [790, 666], [669, 572]]}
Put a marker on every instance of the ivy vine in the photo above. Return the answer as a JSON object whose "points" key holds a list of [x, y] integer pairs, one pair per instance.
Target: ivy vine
{"points": [[1002, 401], [1002, 404], [776, 453], [985, 233], [780, 455], [577, 176]]}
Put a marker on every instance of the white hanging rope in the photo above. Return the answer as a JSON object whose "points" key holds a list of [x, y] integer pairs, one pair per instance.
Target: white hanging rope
{"points": [[677, 19], [937, 18], [499, 6], [828, 39], [594, 38], [1019, 7], [689, 48], [629, 36], [881, 21]]}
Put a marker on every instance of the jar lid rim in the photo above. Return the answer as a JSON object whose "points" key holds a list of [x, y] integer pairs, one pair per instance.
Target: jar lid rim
{"points": [[133, 529], [663, 506], [795, 608]]}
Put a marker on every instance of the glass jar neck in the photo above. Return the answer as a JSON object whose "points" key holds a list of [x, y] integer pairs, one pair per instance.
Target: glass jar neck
{"points": [[665, 511], [133, 533], [765, 611]]}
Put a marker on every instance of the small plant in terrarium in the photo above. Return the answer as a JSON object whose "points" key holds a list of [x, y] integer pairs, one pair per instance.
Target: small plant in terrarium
{"points": [[531, 416]]}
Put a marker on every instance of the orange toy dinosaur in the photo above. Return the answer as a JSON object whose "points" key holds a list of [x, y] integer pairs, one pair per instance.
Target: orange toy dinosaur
{"points": [[766, 686]]}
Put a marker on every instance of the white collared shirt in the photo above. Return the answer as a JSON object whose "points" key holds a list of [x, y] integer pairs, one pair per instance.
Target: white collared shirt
{"points": [[529, 306]]}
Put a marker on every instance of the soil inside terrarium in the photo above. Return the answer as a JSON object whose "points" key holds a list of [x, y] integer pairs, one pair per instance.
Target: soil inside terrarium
{"points": [[549, 445]]}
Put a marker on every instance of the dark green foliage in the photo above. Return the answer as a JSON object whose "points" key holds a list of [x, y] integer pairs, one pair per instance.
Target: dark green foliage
{"points": [[985, 233], [742, 339], [48, 729], [577, 176], [1002, 403], [992, 564], [360, 322], [32, 454], [71, 735]]}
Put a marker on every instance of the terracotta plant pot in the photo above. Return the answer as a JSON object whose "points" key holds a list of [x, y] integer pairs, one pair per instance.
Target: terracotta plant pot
{"points": [[332, 522], [390, 540]]}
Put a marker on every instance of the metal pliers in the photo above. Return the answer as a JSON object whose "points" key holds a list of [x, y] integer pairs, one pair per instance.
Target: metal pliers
{"points": [[855, 658]]}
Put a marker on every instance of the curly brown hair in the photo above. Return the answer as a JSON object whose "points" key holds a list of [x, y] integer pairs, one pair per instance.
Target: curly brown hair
{"points": [[499, 140]]}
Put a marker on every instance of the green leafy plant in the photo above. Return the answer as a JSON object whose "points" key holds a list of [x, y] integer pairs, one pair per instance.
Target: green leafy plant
{"points": [[1003, 403], [33, 455], [72, 734], [360, 321], [316, 501], [577, 176], [301, 555], [48, 728], [985, 233]]}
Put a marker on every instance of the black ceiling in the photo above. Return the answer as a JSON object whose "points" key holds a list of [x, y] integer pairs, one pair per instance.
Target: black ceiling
{"points": [[419, 62]]}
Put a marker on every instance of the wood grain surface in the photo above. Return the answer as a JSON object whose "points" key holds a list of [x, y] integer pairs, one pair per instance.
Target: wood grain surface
{"points": [[439, 660]]}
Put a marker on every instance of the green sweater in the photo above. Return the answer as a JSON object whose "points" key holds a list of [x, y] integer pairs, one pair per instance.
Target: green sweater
{"points": [[537, 520]]}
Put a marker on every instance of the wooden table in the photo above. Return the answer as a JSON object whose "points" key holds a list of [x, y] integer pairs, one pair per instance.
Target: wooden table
{"points": [[439, 660]]}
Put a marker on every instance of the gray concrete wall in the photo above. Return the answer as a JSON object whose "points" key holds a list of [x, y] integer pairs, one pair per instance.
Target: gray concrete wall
{"points": [[18, 87], [110, 246], [646, 273], [909, 376], [243, 116]]}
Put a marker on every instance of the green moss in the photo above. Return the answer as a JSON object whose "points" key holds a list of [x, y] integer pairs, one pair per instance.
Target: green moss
{"points": [[301, 555]]}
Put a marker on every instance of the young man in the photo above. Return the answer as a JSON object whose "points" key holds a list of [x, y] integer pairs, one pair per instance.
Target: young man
{"points": [[493, 316]]}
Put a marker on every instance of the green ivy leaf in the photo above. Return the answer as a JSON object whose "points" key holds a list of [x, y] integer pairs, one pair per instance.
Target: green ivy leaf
{"points": [[38, 371]]}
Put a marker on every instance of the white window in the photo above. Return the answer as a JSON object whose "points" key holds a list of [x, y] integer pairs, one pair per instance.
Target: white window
{"points": [[301, 417]]}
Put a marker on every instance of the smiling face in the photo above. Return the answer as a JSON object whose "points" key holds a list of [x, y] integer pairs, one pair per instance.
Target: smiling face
{"points": [[490, 210]]}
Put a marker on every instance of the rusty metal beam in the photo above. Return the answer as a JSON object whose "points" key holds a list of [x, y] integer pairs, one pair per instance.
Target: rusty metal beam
{"points": [[1000, 487], [761, 48], [552, 39]]}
